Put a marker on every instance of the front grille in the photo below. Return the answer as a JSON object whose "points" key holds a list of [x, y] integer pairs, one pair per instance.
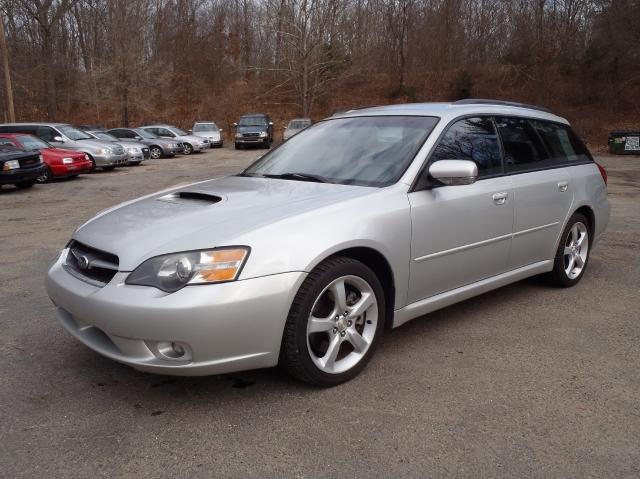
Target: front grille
{"points": [[251, 135], [145, 153], [118, 150], [91, 265], [30, 161]]}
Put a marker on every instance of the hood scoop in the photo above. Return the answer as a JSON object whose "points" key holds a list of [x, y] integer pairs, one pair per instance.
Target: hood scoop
{"points": [[200, 197]]}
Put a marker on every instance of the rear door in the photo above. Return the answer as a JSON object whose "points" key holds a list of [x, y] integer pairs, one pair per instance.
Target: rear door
{"points": [[543, 193], [461, 234]]}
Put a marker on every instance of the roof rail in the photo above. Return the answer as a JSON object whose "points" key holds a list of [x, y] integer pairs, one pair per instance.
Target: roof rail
{"points": [[482, 101]]}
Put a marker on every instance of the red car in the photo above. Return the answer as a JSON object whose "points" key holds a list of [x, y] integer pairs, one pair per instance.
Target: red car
{"points": [[60, 163]]}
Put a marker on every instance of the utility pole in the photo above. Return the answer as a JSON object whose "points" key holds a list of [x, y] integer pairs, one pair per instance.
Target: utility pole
{"points": [[7, 73]]}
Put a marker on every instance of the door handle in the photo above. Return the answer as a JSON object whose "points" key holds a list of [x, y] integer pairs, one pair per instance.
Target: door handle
{"points": [[563, 185], [500, 198]]}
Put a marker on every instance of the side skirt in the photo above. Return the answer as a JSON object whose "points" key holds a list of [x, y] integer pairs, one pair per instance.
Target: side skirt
{"points": [[453, 296]]}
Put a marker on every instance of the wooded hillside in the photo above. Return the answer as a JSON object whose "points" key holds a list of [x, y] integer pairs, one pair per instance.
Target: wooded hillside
{"points": [[124, 62]]}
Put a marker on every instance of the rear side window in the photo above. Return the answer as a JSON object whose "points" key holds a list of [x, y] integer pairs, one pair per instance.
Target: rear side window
{"points": [[44, 133], [562, 143], [473, 139], [523, 149]]}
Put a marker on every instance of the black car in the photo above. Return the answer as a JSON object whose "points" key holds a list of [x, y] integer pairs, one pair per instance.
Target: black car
{"points": [[19, 167], [255, 129]]}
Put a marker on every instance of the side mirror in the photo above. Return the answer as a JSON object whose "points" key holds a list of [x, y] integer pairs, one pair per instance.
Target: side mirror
{"points": [[285, 127], [190, 131], [220, 130], [235, 124], [454, 172], [270, 123], [58, 139], [137, 138]]}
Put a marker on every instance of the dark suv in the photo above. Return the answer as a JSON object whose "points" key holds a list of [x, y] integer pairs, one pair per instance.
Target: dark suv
{"points": [[254, 129], [18, 167]]}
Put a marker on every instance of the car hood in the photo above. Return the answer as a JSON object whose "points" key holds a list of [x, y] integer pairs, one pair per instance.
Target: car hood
{"points": [[191, 138], [204, 215], [59, 153], [129, 144], [90, 145], [215, 135]]}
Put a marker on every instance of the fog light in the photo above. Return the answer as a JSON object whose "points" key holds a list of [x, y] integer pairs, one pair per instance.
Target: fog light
{"points": [[172, 350]]}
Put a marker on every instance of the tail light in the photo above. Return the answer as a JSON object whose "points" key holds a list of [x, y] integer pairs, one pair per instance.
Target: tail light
{"points": [[603, 172]]}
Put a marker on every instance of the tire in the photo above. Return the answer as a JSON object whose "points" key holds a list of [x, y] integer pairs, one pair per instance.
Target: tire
{"points": [[187, 149], [572, 254], [238, 146], [266, 145], [45, 177], [343, 341], [93, 163], [25, 184], [155, 152]]}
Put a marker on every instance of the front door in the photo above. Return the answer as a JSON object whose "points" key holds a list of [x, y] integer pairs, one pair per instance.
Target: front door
{"points": [[461, 234]]}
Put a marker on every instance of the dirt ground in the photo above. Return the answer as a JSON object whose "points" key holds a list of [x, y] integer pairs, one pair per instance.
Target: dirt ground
{"points": [[526, 381]]}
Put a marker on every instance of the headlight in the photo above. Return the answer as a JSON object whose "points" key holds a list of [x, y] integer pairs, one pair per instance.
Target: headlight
{"points": [[86, 157], [134, 150], [238, 135], [66, 161], [263, 134], [104, 151], [40, 159], [173, 145], [172, 272], [11, 165]]}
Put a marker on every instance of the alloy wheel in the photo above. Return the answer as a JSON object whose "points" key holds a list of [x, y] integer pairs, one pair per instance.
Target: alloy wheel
{"points": [[342, 324], [45, 177], [155, 153], [576, 250]]}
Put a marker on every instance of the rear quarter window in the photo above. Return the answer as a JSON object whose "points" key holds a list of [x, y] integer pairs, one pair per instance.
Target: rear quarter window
{"points": [[563, 144]]}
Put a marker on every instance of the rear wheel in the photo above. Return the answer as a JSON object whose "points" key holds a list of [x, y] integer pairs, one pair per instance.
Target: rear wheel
{"points": [[573, 253], [46, 176], [334, 323]]}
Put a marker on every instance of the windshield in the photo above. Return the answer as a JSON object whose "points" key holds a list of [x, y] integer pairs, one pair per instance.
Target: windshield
{"points": [[105, 136], [178, 131], [29, 142], [366, 151], [298, 124], [205, 127], [73, 133], [145, 134], [253, 121]]}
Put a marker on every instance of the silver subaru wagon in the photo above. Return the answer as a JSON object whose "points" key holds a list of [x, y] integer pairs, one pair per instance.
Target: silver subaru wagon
{"points": [[363, 221]]}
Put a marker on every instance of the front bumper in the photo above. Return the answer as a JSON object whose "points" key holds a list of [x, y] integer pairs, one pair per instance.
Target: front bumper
{"points": [[223, 327], [252, 140], [12, 177], [75, 168], [111, 160]]}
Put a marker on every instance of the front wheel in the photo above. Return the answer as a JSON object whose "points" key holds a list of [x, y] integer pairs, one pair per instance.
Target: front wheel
{"points": [[46, 176], [187, 149], [334, 323], [572, 254], [25, 184], [155, 152]]}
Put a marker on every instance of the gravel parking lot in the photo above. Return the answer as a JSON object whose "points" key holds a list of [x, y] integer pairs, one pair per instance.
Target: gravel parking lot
{"points": [[526, 381]]}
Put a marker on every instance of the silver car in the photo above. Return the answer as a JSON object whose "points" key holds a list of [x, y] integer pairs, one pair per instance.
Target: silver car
{"points": [[158, 147], [105, 155], [190, 143], [363, 221], [136, 152], [210, 131], [294, 127]]}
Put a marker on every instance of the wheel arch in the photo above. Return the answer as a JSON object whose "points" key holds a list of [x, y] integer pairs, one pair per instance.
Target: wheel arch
{"points": [[590, 215], [380, 265]]}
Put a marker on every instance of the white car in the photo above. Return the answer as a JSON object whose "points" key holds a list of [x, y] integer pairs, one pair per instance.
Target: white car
{"points": [[210, 131], [363, 221], [294, 127]]}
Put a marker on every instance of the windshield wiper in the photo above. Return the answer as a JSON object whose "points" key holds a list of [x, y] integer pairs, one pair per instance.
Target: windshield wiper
{"points": [[299, 176]]}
